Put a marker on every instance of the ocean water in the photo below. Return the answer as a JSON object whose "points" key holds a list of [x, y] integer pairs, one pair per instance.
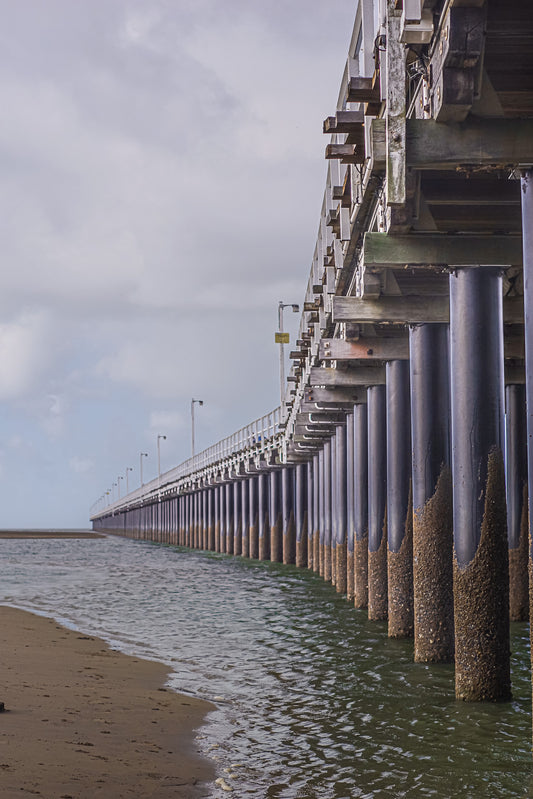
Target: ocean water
{"points": [[313, 701]]}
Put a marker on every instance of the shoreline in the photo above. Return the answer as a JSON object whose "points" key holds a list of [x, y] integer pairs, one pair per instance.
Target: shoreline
{"points": [[49, 534], [84, 720]]}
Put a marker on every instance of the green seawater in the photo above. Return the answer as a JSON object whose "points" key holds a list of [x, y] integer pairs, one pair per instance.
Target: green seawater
{"points": [[313, 700]]}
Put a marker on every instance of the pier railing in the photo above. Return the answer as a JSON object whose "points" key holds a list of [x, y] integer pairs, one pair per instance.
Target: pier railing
{"points": [[254, 441]]}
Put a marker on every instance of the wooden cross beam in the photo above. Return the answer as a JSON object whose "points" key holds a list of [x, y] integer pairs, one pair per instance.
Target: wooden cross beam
{"points": [[381, 251], [388, 348], [476, 142], [411, 309], [364, 376]]}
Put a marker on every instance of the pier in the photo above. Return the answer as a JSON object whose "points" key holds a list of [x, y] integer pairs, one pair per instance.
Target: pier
{"points": [[397, 464]]}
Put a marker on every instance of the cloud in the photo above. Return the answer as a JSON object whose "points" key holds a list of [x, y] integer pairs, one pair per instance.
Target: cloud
{"points": [[81, 465], [162, 173], [24, 354]]}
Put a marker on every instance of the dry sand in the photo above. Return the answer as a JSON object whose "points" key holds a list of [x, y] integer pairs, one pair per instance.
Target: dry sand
{"points": [[85, 721]]}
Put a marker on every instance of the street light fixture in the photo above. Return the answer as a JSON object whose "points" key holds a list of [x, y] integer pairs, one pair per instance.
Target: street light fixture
{"points": [[128, 469], [142, 455], [159, 437], [119, 478], [283, 338], [200, 402]]}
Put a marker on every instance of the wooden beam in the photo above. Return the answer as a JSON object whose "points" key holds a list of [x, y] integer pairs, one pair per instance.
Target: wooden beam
{"points": [[382, 251], [475, 142], [402, 310], [362, 90], [364, 376], [411, 309], [334, 396], [344, 122], [396, 110], [388, 348]]}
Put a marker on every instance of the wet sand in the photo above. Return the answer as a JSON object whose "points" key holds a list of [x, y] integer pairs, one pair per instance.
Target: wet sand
{"points": [[49, 534], [85, 721]]}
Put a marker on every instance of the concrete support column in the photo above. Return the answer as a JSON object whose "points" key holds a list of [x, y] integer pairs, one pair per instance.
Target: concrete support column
{"points": [[263, 519], [327, 511], [432, 494], [310, 494], [204, 518], [341, 510], [276, 550], [517, 501], [301, 513], [229, 518], [237, 518], [245, 518], [377, 504], [222, 506], [321, 515], [481, 573], [360, 503], [527, 243], [288, 525], [253, 535], [333, 508], [399, 501], [211, 519], [216, 492], [350, 529]]}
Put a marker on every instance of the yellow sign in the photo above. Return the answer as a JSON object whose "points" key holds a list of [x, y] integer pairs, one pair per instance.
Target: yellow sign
{"points": [[282, 338]]}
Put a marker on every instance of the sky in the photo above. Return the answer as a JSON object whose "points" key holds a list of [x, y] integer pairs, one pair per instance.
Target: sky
{"points": [[161, 177]]}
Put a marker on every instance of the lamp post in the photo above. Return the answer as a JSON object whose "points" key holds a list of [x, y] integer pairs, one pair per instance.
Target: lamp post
{"points": [[119, 478], [113, 490], [159, 437], [283, 338], [142, 455], [200, 402], [128, 469]]}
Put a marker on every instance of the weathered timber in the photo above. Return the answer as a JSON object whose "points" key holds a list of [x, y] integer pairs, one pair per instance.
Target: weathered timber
{"points": [[363, 90], [346, 153], [411, 309], [475, 142], [365, 349], [343, 395], [396, 110], [343, 122], [381, 251], [364, 376], [403, 310]]}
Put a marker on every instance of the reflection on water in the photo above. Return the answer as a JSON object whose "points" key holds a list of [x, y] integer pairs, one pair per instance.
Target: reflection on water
{"points": [[313, 700]]}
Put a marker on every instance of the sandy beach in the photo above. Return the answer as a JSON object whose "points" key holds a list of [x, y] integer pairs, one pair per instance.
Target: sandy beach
{"points": [[83, 720]]}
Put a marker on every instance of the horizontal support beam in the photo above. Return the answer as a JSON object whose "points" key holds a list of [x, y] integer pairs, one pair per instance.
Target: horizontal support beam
{"points": [[381, 251], [403, 310], [411, 310], [476, 142], [364, 376], [367, 349], [336, 396]]}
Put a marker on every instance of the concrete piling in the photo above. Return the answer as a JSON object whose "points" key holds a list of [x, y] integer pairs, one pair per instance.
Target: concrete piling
{"points": [[481, 573], [399, 502], [377, 504], [432, 494]]}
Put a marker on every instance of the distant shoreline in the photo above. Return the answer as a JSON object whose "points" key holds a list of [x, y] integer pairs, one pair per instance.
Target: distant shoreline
{"points": [[49, 534]]}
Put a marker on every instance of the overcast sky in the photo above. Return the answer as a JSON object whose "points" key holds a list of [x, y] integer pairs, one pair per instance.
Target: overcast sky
{"points": [[161, 177]]}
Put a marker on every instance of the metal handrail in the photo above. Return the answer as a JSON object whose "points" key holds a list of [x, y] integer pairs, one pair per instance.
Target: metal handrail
{"points": [[257, 437]]}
